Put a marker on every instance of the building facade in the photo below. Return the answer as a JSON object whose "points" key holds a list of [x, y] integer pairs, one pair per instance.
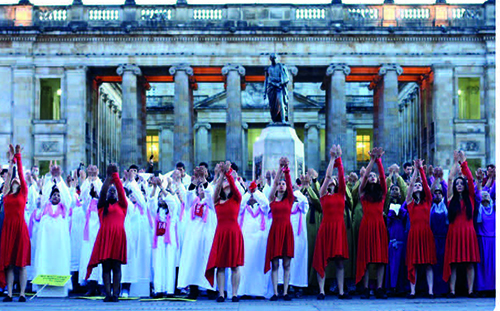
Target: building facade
{"points": [[95, 84]]}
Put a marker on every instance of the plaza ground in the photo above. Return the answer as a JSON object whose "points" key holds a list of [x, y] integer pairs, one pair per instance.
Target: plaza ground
{"points": [[304, 304]]}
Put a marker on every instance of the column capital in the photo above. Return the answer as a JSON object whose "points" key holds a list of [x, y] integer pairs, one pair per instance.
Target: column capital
{"points": [[338, 67], [228, 67], [207, 126], [312, 124], [292, 69], [181, 67], [244, 125], [384, 68], [128, 67]]}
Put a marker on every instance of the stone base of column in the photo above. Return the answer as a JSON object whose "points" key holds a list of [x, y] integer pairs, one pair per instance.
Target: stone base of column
{"points": [[276, 142]]}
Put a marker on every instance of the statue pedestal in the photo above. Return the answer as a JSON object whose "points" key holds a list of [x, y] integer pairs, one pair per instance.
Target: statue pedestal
{"points": [[274, 142]]}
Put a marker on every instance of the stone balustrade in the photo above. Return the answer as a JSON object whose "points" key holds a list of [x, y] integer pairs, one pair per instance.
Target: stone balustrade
{"points": [[234, 17]]}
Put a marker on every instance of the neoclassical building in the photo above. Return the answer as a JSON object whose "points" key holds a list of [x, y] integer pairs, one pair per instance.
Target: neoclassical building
{"points": [[95, 84]]}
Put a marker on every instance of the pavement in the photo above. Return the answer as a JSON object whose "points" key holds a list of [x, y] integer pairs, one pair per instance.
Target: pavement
{"points": [[308, 303]]}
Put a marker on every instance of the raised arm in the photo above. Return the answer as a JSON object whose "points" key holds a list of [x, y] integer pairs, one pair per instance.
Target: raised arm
{"points": [[381, 175], [340, 168], [470, 180], [104, 192], [425, 185], [451, 175], [234, 189], [409, 194], [24, 186], [272, 195], [364, 179], [289, 185], [122, 198]]}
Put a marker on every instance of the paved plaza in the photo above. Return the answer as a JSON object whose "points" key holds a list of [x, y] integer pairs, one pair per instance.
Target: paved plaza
{"points": [[304, 304]]}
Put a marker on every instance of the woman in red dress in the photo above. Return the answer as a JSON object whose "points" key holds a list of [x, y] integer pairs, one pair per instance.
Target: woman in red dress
{"points": [[331, 242], [110, 247], [280, 243], [421, 248], [461, 240], [227, 249], [373, 245], [15, 247]]}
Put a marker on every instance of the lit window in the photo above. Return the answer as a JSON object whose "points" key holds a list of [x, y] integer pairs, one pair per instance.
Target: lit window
{"points": [[50, 99], [363, 145], [469, 99], [253, 135], [153, 145]]}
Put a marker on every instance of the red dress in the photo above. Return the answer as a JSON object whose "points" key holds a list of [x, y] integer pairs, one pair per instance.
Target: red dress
{"points": [[228, 250], [421, 248], [280, 241], [15, 247], [461, 240], [111, 240], [331, 241], [373, 244]]}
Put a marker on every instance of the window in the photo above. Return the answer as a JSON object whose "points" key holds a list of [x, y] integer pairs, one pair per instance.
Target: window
{"points": [[253, 135], [469, 99], [50, 99], [44, 167], [363, 145], [322, 139], [218, 144], [153, 145]]}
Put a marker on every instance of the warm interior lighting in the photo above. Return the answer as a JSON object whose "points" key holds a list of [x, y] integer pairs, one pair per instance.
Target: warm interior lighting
{"points": [[59, 92]]}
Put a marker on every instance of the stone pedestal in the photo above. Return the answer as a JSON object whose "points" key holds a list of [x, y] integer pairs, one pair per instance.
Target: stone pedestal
{"points": [[274, 142]]}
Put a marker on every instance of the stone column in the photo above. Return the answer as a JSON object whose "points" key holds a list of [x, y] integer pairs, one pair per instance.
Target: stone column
{"points": [[6, 115], [489, 105], [130, 146], [118, 135], [350, 149], [443, 115], [244, 150], [388, 118], [166, 148], [292, 72], [76, 108], [23, 110], [336, 113], [312, 146], [183, 116], [234, 144], [202, 143]]}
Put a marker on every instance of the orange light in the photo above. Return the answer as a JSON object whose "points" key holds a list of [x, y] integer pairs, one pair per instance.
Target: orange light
{"points": [[390, 13], [441, 13], [23, 15]]}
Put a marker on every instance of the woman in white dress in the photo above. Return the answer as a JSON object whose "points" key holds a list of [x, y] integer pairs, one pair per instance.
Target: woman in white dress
{"points": [[298, 266], [53, 256], [76, 224], [201, 221]]}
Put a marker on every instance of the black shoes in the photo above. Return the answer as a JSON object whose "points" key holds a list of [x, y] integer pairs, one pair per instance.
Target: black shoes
{"points": [[430, 296], [114, 299], [287, 297], [380, 294], [7, 299], [321, 297], [22, 299], [411, 296], [451, 296], [235, 299], [365, 294], [274, 298], [345, 296], [220, 299], [108, 299], [472, 295]]}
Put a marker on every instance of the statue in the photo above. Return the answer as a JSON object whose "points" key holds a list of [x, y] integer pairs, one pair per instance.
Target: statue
{"points": [[275, 87]]}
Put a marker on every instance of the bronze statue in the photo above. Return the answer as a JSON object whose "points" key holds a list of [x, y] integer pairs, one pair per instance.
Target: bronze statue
{"points": [[276, 91]]}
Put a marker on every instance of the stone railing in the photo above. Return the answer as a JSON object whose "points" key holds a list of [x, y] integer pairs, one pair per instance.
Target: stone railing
{"points": [[232, 17]]}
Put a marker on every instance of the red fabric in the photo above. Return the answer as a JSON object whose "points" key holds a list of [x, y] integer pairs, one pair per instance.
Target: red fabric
{"points": [[421, 248], [228, 250], [461, 241], [111, 240], [15, 247], [373, 244], [331, 241], [280, 242]]}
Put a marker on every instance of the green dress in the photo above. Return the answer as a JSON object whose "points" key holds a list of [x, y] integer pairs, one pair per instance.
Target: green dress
{"points": [[313, 219]]}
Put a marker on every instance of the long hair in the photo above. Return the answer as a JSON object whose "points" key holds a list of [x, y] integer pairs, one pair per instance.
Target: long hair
{"points": [[422, 195], [373, 192], [454, 205], [399, 199]]}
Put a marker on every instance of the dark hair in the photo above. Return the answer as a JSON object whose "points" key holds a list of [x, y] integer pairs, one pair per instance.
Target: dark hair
{"points": [[406, 165], [106, 205], [54, 190], [298, 182], [133, 167], [373, 192], [164, 206], [454, 205], [422, 195], [180, 165], [4, 171], [222, 195], [490, 165], [205, 164], [234, 167]]}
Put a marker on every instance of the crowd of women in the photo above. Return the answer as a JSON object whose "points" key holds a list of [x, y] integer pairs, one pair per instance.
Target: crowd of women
{"points": [[196, 234]]}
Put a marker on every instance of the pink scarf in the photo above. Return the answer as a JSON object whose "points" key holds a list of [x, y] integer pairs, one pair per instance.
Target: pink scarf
{"points": [[34, 218], [166, 238], [60, 210], [141, 210], [92, 208], [297, 211], [182, 211], [257, 213]]}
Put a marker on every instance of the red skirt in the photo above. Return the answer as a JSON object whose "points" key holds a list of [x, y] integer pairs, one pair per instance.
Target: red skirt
{"points": [[420, 249], [331, 242], [228, 250], [110, 243], [280, 242], [461, 246], [15, 246], [373, 244]]}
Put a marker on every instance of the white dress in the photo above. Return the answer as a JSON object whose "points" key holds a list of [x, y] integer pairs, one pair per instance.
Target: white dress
{"points": [[129, 271], [32, 215], [53, 256], [165, 247], [255, 229], [77, 223], [198, 240]]}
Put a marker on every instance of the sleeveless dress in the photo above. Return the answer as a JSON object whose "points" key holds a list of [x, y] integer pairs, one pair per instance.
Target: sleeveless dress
{"points": [[372, 242], [15, 247], [421, 248], [461, 241], [228, 247], [331, 241], [280, 242]]}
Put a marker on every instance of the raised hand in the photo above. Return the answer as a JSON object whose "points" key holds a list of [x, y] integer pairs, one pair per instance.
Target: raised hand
{"points": [[479, 174], [455, 156], [461, 156], [362, 172], [284, 162], [418, 163], [312, 173], [333, 152]]}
